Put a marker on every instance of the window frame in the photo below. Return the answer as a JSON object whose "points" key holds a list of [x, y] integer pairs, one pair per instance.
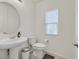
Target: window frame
{"points": [[57, 23]]}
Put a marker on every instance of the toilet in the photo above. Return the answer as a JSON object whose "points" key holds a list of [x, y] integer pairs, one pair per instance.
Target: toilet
{"points": [[38, 50]]}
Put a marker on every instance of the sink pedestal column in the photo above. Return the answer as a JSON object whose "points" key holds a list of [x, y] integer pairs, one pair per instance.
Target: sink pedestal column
{"points": [[3, 54]]}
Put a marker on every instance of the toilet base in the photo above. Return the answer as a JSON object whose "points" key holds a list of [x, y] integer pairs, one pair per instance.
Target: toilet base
{"points": [[38, 54]]}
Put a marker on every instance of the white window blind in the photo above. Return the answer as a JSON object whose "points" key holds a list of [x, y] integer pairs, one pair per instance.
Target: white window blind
{"points": [[51, 22]]}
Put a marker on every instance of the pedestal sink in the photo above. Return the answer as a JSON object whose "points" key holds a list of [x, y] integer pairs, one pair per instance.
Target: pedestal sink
{"points": [[9, 27], [12, 43]]}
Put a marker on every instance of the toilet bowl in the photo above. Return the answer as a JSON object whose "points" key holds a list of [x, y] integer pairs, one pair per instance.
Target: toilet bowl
{"points": [[38, 50]]}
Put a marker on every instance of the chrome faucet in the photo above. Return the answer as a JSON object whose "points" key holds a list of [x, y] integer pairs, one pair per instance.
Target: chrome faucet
{"points": [[19, 35]]}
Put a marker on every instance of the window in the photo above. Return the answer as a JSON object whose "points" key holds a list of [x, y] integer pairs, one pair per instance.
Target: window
{"points": [[51, 22]]}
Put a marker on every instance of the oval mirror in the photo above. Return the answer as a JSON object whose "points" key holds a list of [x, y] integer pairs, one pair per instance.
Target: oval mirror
{"points": [[9, 19]]}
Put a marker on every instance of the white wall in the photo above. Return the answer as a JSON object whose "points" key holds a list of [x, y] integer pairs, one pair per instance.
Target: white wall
{"points": [[63, 42], [27, 13], [76, 40]]}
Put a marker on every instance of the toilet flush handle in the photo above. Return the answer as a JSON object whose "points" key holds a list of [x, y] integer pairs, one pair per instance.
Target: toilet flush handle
{"points": [[46, 41]]}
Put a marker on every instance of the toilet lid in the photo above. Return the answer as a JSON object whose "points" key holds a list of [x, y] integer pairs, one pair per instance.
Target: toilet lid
{"points": [[40, 45]]}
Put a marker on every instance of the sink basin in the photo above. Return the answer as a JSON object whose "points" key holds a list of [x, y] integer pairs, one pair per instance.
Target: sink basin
{"points": [[12, 43]]}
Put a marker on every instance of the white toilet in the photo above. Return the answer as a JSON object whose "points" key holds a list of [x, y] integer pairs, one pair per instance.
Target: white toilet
{"points": [[38, 50]]}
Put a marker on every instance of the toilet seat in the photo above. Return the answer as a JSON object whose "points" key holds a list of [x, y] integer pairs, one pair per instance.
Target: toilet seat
{"points": [[39, 46]]}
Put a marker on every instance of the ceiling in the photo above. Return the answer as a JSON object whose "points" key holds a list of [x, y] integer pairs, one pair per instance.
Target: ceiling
{"points": [[36, 1]]}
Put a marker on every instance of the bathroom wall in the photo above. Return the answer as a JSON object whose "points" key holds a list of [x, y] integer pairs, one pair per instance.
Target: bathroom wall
{"points": [[27, 18], [62, 44], [76, 41]]}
